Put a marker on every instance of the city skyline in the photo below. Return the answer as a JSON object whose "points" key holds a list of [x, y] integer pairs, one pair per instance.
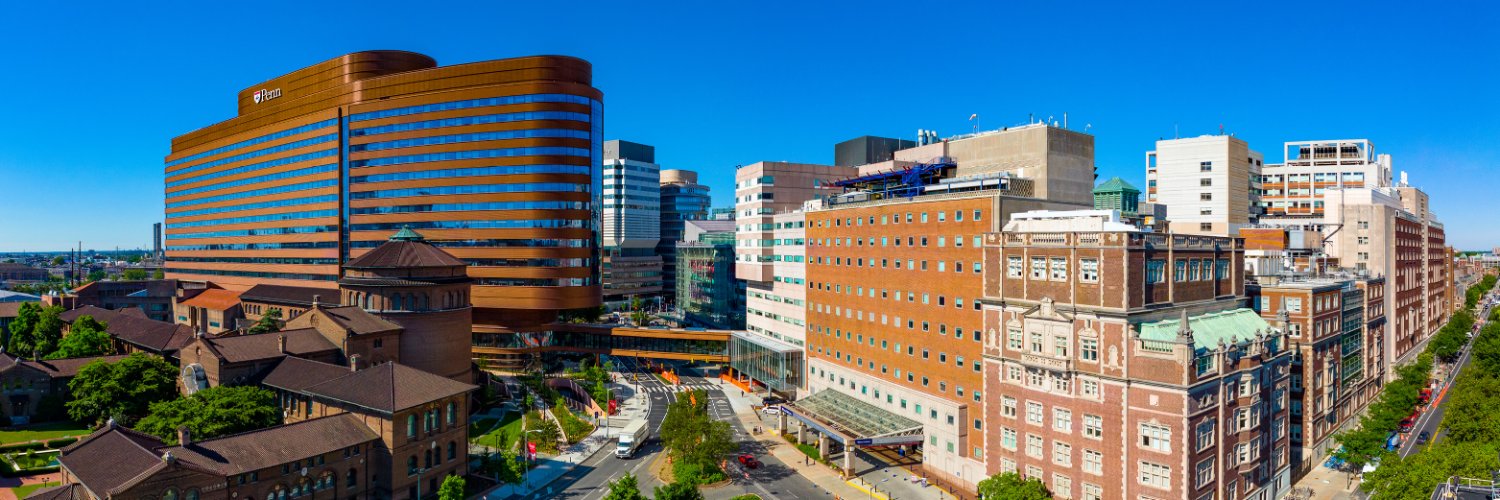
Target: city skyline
{"points": [[815, 77]]}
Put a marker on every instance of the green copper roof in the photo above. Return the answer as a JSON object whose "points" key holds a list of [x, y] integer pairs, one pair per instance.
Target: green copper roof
{"points": [[406, 234], [1116, 185], [1208, 329]]}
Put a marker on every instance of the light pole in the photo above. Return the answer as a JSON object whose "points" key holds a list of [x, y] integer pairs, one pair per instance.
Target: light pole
{"points": [[526, 472]]}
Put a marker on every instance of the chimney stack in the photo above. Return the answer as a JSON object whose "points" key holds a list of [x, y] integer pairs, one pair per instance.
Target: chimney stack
{"points": [[184, 436], [353, 362], [316, 300], [281, 343]]}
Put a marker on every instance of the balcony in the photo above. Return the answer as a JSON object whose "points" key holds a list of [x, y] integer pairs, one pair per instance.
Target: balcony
{"points": [[1047, 362]]}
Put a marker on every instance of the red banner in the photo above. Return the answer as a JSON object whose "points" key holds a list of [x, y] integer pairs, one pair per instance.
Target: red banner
{"points": [[614, 407], [531, 447]]}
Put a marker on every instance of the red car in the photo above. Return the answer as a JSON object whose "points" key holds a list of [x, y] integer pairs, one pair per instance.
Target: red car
{"points": [[749, 461]]}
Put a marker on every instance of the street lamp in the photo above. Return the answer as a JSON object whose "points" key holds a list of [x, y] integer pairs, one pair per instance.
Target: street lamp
{"points": [[526, 473]]}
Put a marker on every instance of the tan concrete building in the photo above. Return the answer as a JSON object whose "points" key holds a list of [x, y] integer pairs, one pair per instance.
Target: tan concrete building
{"points": [[1208, 183], [762, 190], [1292, 192]]}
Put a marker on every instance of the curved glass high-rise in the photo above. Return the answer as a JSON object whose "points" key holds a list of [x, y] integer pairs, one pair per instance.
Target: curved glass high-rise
{"points": [[494, 161]]}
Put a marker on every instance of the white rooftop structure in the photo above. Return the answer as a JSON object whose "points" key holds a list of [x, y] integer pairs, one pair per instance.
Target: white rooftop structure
{"points": [[1054, 221]]}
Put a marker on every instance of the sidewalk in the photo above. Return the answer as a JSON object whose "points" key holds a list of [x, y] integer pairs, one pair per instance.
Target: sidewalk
{"points": [[1329, 484], [879, 482], [548, 469]]}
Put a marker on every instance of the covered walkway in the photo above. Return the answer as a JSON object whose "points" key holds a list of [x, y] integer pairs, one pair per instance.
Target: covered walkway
{"points": [[848, 421]]}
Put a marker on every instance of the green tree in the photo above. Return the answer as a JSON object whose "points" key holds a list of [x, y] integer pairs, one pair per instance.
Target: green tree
{"points": [[269, 322], [626, 488], [213, 412], [679, 490], [133, 274], [1411, 478], [511, 468], [86, 337], [158, 274], [123, 390], [97, 275], [133, 259], [1011, 486], [452, 488], [693, 439], [59, 260], [1470, 411], [18, 341]]}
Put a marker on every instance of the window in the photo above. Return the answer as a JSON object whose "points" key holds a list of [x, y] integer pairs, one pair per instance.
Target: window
{"points": [[1033, 446], [1062, 453], [1093, 426], [452, 413], [1059, 269], [1155, 271], [1008, 407], [1062, 420], [1036, 342], [1206, 181], [1034, 413], [1090, 387], [1088, 270], [1294, 305], [1206, 166], [1156, 475], [1205, 434], [1205, 473], [411, 427], [1092, 492], [1013, 338], [1060, 346], [1093, 462], [1008, 438], [1206, 226], [1012, 266], [1088, 349], [1038, 268], [1179, 271], [1156, 437], [1205, 197]]}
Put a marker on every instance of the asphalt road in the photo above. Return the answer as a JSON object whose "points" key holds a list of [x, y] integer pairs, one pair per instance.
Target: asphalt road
{"points": [[1430, 419], [588, 480]]}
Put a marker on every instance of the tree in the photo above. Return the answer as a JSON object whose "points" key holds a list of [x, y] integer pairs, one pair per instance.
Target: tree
{"points": [[452, 488], [1470, 411], [123, 390], [1011, 486], [134, 274], [97, 275], [59, 260], [680, 490], [213, 412], [511, 468], [19, 341], [158, 274], [133, 259], [269, 322], [693, 439], [86, 337], [625, 489]]}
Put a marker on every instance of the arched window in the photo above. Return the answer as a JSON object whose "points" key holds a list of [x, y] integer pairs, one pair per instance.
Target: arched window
{"points": [[427, 459], [170, 494], [452, 450], [411, 427], [353, 479], [411, 466], [452, 413], [191, 494]]}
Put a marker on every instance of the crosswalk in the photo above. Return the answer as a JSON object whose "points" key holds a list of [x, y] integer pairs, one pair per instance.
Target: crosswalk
{"points": [[681, 388]]}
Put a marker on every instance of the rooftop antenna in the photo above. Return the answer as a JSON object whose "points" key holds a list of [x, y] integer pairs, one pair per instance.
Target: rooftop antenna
{"points": [[974, 119]]}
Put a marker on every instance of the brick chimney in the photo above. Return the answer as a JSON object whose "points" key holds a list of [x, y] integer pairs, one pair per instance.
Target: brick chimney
{"points": [[353, 362], [184, 436], [281, 343]]}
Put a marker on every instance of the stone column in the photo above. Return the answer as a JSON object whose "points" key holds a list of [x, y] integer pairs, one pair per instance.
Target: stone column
{"points": [[848, 461], [823, 446], [801, 432], [781, 423]]}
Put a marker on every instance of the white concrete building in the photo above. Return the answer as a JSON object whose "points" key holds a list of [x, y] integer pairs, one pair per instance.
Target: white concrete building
{"points": [[630, 222], [1208, 183], [1293, 193]]}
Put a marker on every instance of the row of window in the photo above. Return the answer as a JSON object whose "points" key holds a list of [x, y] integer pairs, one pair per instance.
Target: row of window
{"points": [[257, 192], [251, 142], [464, 207], [475, 224], [958, 216], [472, 155], [320, 169], [263, 231], [1052, 269], [520, 187], [471, 137], [470, 103], [449, 173], [1187, 270], [327, 198], [471, 120], [255, 274], [911, 241], [490, 243], [261, 260], [255, 154], [311, 214], [294, 245]]}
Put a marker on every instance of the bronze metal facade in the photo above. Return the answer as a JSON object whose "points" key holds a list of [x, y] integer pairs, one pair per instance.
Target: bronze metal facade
{"points": [[493, 161]]}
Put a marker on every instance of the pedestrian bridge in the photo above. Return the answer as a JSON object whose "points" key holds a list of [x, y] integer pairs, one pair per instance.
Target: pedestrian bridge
{"points": [[687, 344]]}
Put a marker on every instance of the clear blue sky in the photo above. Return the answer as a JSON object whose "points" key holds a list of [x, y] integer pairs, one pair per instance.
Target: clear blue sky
{"points": [[91, 95]]}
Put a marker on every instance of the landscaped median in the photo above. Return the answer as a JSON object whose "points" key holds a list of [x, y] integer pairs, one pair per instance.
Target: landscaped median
{"points": [[1469, 441]]}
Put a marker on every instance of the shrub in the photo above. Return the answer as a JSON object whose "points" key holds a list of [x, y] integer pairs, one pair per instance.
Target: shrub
{"points": [[61, 442]]}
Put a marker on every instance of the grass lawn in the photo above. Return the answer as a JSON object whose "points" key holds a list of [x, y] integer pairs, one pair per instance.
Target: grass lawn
{"points": [[43, 432], [510, 427], [23, 491]]}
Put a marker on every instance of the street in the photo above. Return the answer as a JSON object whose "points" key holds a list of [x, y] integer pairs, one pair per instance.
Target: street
{"points": [[1430, 419]]}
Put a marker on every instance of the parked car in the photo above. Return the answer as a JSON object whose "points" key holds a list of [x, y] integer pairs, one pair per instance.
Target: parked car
{"points": [[1422, 438], [749, 461], [772, 410], [772, 400]]}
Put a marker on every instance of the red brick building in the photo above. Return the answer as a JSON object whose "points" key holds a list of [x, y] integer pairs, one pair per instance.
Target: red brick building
{"points": [[1121, 364]]}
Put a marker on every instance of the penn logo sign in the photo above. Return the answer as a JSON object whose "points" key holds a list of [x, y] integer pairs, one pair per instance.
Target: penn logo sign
{"points": [[266, 95]]}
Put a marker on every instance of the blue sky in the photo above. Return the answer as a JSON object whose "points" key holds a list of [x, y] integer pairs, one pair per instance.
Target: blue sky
{"points": [[91, 95]]}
